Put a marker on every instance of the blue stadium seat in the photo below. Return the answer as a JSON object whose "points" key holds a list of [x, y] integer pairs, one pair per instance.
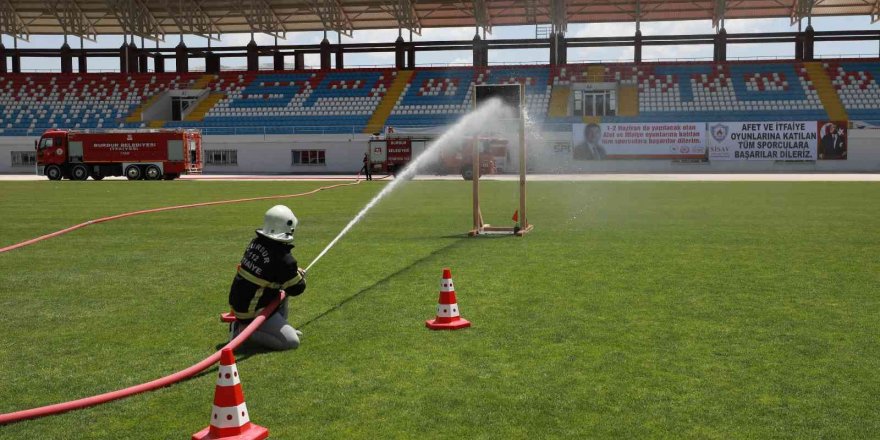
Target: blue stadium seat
{"points": [[344, 101]]}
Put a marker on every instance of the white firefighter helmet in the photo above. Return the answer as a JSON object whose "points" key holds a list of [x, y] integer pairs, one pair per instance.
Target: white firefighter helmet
{"points": [[279, 224]]}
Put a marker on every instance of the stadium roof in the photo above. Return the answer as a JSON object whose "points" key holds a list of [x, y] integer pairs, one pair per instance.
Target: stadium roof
{"points": [[154, 19]]}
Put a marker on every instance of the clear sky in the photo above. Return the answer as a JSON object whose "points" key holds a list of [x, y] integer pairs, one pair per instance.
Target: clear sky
{"points": [[504, 56]]}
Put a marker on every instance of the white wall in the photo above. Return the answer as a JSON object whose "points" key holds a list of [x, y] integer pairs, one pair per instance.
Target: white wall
{"points": [[8, 144], [272, 155]]}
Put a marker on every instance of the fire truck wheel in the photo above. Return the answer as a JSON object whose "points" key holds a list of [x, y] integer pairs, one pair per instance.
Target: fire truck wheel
{"points": [[53, 172], [133, 172], [153, 173], [79, 172]]}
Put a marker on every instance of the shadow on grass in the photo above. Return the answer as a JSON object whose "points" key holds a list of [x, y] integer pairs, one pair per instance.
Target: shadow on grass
{"points": [[455, 236], [388, 277], [247, 350], [481, 236], [242, 353]]}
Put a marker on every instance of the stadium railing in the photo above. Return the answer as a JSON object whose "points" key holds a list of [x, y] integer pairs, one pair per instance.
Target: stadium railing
{"points": [[299, 130], [268, 68]]}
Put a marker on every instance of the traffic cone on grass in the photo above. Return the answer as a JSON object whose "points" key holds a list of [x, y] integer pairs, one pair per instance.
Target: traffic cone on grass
{"points": [[448, 317], [229, 415]]}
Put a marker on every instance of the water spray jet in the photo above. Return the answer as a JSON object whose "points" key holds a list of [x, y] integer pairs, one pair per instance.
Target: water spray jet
{"points": [[484, 116]]}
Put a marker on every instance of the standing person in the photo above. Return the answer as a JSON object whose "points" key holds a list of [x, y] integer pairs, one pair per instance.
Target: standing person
{"points": [[266, 268], [367, 169]]}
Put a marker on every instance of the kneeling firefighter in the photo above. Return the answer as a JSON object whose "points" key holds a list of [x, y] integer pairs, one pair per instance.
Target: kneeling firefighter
{"points": [[267, 267]]}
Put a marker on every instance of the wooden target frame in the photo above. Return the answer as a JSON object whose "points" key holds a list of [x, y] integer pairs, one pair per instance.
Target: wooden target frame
{"points": [[513, 95]]}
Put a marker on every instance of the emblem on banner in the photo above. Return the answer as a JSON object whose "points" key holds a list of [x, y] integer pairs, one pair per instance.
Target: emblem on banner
{"points": [[719, 132]]}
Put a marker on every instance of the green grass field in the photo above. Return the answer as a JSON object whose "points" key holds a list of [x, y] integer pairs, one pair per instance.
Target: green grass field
{"points": [[634, 310]]}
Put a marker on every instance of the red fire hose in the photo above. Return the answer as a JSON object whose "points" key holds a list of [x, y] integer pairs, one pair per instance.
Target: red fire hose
{"points": [[170, 379], [149, 386], [167, 208]]}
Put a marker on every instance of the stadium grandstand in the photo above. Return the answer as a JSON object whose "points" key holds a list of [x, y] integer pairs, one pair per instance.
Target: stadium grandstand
{"points": [[259, 110]]}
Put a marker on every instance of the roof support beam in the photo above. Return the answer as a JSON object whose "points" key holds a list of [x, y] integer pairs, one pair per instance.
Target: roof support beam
{"points": [[718, 13], [404, 11], [636, 13], [559, 15], [261, 18], [638, 16], [332, 16], [191, 19], [136, 19], [875, 11], [801, 9], [481, 15], [71, 19], [478, 9], [11, 23], [531, 9]]}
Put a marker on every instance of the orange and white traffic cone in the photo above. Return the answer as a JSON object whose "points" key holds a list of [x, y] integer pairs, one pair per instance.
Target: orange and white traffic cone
{"points": [[229, 415], [448, 317]]}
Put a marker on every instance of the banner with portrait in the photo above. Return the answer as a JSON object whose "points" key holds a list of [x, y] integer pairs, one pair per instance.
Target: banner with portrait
{"points": [[672, 140], [832, 140], [775, 140]]}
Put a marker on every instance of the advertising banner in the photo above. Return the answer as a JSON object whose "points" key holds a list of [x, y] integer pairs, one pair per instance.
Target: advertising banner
{"points": [[789, 140], [672, 140]]}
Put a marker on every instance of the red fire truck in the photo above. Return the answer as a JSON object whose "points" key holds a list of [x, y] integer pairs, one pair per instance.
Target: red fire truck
{"points": [[493, 153], [391, 155], [135, 154]]}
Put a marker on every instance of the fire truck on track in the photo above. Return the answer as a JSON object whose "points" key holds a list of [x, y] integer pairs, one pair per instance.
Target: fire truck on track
{"points": [[395, 153], [135, 154]]}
